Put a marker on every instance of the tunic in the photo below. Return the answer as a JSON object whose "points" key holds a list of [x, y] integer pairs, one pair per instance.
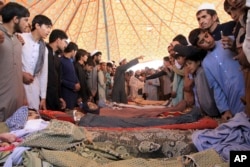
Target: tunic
{"points": [[54, 81], [38, 88], [135, 85], [82, 75], [93, 82], [11, 82], [205, 95], [151, 90], [69, 79], [178, 88], [166, 88], [101, 86], [225, 79]]}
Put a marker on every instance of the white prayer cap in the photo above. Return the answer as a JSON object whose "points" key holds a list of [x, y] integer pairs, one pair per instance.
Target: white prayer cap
{"points": [[205, 6], [95, 52]]}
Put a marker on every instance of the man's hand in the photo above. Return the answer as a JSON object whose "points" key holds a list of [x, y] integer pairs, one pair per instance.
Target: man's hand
{"points": [[226, 116], [77, 87], [27, 78], [140, 57], [20, 38], [42, 105], [63, 103], [227, 42]]}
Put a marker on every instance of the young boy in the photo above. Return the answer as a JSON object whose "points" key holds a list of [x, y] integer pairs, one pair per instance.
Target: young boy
{"points": [[177, 90], [222, 72], [203, 93], [35, 62], [57, 43], [69, 82]]}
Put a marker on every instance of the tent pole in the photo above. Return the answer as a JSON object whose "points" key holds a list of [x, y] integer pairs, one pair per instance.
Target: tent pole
{"points": [[106, 28]]}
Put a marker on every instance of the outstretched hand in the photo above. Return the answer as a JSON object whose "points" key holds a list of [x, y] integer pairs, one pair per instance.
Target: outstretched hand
{"points": [[140, 57]]}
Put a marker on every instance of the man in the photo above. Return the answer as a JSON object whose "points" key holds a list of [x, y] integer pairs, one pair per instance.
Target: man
{"points": [[118, 93], [167, 75], [136, 85], [151, 87], [102, 84], [222, 72], [57, 43], [92, 79], [84, 93], [81, 59], [109, 82], [208, 20], [12, 96], [69, 82], [35, 62]]}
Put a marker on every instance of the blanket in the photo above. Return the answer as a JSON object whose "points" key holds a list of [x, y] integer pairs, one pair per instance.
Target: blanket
{"points": [[233, 135], [92, 120], [64, 144], [203, 123]]}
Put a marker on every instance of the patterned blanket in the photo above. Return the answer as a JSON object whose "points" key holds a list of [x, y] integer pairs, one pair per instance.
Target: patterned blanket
{"points": [[65, 144]]}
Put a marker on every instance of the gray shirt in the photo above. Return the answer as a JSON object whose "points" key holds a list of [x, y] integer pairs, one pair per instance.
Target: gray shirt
{"points": [[11, 81], [205, 94]]}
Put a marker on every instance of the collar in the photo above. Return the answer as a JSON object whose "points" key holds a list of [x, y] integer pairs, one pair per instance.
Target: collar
{"points": [[3, 29]]}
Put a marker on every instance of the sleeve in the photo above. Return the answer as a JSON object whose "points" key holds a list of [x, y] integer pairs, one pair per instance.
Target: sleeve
{"points": [[246, 44], [219, 96], [129, 64], [68, 84], [43, 77], [156, 75], [184, 50]]}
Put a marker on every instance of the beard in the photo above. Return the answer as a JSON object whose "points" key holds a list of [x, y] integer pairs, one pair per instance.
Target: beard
{"points": [[97, 61], [17, 28]]}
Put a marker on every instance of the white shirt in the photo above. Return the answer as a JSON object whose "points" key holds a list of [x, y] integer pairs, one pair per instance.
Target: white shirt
{"points": [[38, 87]]}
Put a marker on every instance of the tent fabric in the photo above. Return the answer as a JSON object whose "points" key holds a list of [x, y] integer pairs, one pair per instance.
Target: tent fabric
{"points": [[132, 28]]}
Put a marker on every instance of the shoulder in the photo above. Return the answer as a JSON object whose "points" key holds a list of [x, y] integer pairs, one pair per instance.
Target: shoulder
{"points": [[25, 35], [229, 23], [227, 27]]}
